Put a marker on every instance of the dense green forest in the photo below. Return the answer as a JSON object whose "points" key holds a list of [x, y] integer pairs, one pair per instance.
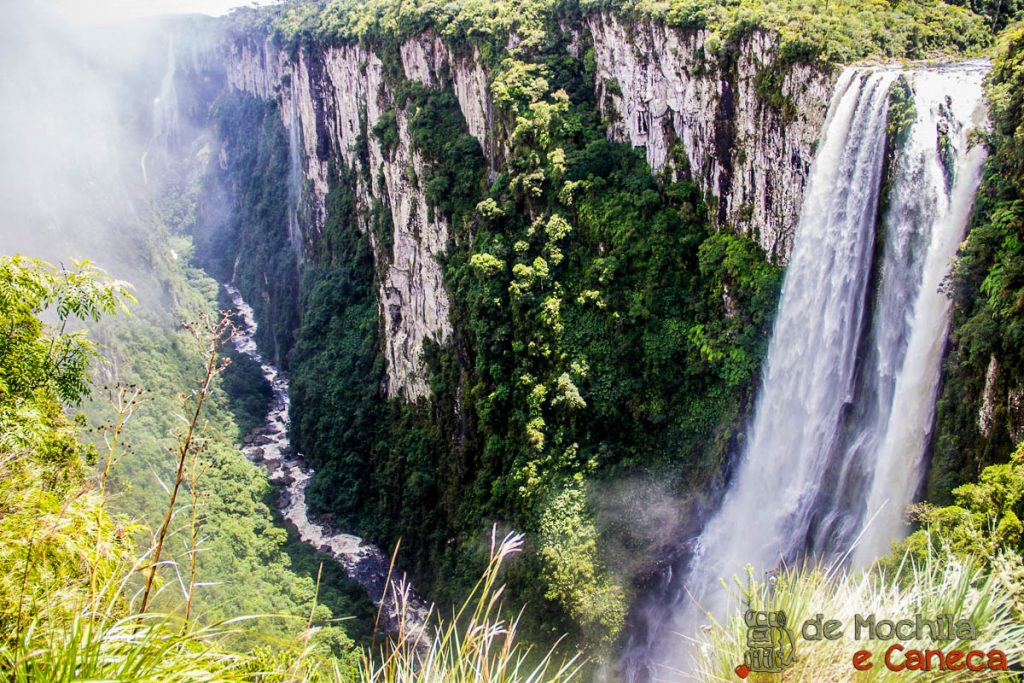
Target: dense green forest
{"points": [[838, 32], [589, 285], [99, 491], [244, 543], [987, 288]]}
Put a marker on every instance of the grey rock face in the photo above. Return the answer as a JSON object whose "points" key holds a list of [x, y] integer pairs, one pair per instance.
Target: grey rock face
{"points": [[657, 87]]}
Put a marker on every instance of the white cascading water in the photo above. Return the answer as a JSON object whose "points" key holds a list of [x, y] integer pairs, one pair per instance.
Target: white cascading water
{"points": [[295, 172], [269, 446], [841, 426], [165, 111], [938, 179]]}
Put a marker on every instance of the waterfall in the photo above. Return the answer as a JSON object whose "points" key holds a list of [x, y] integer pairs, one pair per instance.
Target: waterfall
{"points": [[295, 174], [165, 112], [932, 195], [836, 447]]}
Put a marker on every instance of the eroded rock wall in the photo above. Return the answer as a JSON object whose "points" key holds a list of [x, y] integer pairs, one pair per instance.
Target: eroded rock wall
{"points": [[657, 87], [339, 94], [749, 151]]}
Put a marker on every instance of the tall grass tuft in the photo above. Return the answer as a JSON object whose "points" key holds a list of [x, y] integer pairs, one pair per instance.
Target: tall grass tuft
{"points": [[100, 643], [144, 647], [940, 584], [476, 643]]}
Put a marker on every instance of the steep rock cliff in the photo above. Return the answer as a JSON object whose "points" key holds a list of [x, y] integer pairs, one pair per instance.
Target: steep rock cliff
{"points": [[660, 86], [656, 87], [339, 95]]}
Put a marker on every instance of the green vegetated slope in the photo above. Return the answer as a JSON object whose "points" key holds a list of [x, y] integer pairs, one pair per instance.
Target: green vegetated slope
{"points": [[839, 31], [603, 331], [73, 602], [248, 561], [980, 413], [83, 501]]}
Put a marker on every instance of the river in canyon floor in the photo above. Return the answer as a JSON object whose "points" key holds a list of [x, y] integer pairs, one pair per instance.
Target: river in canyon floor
{"points": [[269, 447]]}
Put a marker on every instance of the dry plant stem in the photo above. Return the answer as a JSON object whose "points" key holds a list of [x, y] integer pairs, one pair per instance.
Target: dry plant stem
{"points": [[194, 527], [216, 334], [316, 596], [123, 402], [384, 597]]}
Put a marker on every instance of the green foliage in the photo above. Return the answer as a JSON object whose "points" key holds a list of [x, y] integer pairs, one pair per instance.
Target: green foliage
{"points": [[833, 31], [579, 300], [902, 112], [768, 86], [987, 288], [335, 387], [125, 649], [576, 576], [34, 358], [374, 457], [243, 562], [248, 392], [386, 130], [476, 644], [68, 573], [985, 520], [57, 541], [438, 131], [601, 327], [998, 12]]}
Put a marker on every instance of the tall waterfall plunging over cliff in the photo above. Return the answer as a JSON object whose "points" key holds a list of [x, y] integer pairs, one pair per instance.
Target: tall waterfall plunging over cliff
{"points": [[836, 448], [166, 112], [933, 191], [294, 170]]}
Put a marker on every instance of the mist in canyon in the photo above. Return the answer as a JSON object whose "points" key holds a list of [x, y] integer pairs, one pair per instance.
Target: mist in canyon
{"points": [[85, 108]]}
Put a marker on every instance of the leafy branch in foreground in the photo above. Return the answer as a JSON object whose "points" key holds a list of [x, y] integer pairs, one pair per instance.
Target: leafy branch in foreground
{"points": [[56, 539], [34, 356]]}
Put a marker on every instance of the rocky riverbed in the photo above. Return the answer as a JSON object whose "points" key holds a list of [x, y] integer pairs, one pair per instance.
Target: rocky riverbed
{"points": [[269, 447]]}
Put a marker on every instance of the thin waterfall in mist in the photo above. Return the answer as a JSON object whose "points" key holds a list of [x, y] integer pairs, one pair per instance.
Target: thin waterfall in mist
{"points": [[836, 447], [295, 173], [165, 111]]}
